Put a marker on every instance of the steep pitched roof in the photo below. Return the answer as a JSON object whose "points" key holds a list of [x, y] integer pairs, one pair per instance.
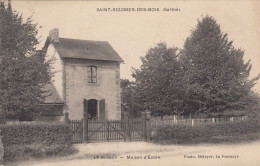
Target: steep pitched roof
{"points": [[86, 49], [54, 98]]}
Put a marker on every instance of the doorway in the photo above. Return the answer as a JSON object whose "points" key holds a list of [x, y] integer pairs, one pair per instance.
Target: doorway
{"points": [[92, 109]]}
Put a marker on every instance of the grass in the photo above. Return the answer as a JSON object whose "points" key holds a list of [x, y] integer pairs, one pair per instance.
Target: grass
{"points": [[21, 153]]}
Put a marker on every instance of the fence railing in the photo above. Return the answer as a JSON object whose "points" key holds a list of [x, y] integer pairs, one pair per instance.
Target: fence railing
{"points": [[192, 122], [127, 129], [77, 130], [99, 131]]}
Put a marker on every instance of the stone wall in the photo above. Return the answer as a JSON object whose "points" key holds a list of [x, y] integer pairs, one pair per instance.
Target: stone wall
{"points": [[77, 87]]}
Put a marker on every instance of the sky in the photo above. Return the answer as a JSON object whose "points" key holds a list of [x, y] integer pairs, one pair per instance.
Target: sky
{"points": [[131, 34]]}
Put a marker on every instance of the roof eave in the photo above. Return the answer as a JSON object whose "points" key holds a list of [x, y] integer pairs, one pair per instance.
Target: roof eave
{"points": [[52, 104], [119, 61]]}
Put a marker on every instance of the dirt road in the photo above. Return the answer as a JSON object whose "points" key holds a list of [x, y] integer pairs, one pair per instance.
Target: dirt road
{"points": [[148, 154]]}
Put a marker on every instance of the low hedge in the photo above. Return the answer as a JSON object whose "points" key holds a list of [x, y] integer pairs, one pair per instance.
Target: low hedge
{"points": [[206, 132], [25, 140], [35, 132]]}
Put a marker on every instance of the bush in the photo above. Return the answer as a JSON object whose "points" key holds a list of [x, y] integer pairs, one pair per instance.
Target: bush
{"points": [[24, 140], [207, 132], [35, 132]]}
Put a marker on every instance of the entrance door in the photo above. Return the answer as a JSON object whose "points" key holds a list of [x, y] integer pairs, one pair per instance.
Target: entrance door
{"points": [[92, 109], [95, 109]]}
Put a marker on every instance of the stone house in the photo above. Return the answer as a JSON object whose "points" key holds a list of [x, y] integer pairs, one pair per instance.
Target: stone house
{"points": [[87, 71]]}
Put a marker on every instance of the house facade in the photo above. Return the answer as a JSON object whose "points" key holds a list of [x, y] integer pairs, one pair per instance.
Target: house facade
{"points": [[87, 71]]}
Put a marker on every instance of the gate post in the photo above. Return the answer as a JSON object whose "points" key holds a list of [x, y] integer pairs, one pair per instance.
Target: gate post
{"points": [[127, 126], [1, 150], [144, 126], [148, 126], [85, 127], [66, 118], [85, 121]]}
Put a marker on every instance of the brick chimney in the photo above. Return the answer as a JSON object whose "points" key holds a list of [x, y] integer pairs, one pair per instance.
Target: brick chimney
{"points": [[54, 35]]}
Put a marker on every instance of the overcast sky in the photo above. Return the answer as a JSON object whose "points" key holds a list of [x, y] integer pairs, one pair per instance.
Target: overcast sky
{"points": [[131, 34]]}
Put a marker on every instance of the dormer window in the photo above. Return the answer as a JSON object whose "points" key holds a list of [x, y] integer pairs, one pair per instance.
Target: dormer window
{"points": [[92, 74]]}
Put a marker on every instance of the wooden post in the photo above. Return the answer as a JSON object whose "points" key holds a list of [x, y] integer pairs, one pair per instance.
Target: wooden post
{"points": [[66, 118], [1, 150], [144, 125], [85, 121], [231, 119], [85, 127], [148, 126], [192, 122], [127, 127], [107, 130]]}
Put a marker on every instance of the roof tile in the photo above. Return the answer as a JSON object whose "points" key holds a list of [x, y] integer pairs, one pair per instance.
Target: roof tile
{"points": [[86, 49]]}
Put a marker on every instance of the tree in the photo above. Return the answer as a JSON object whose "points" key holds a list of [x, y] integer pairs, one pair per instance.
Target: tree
{"points": [[23, 72], [159, 83], [128, 98], [217, 78]]}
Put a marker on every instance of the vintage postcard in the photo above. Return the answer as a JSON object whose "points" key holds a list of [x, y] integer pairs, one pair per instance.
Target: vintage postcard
{"points": [[136, 83]]}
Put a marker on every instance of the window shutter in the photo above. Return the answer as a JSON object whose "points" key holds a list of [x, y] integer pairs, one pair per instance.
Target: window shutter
{"points": [[89, 74], [94, 74], [85, 107], [102, 110]]}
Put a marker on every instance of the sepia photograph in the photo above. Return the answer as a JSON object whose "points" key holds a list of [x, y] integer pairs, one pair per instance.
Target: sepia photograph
{"points": [[111, 83]]}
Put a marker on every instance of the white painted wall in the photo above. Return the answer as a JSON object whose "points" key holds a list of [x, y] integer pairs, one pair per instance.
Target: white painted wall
{"points": [[57, 67]]}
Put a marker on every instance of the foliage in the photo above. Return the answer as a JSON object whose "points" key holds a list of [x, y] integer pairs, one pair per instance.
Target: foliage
{"points": [[208, 77], [128, 98], [217, 78], [207, 132], [23, 72], [37, 132], [159, 84], [35, 139]]}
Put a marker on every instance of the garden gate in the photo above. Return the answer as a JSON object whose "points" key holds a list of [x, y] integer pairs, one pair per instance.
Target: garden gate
{"points": [[115, 130]]}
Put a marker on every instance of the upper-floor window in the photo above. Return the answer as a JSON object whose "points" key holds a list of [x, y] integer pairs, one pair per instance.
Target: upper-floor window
{"points": [[92, 74]]}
